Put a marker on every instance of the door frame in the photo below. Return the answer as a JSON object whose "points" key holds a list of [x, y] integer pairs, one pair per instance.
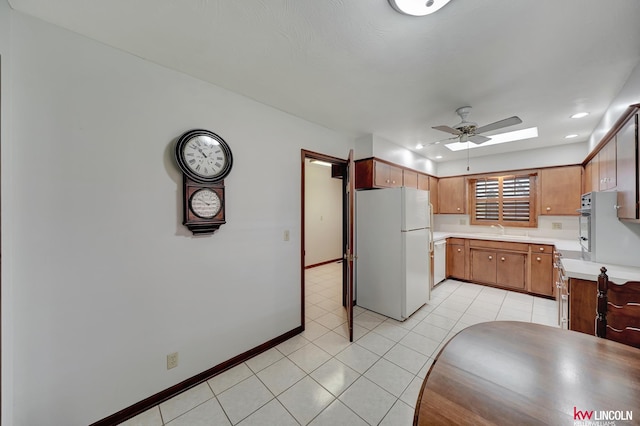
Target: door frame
{"points": [[304, 155]]}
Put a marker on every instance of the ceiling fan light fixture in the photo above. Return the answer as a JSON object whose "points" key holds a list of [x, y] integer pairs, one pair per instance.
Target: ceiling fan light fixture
{"points": [[417, 7]]}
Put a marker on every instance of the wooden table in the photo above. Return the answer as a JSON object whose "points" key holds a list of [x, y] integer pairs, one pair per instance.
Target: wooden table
{"points": [[516, 373]]}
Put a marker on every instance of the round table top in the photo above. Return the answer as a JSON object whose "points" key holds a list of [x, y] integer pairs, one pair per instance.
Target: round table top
{"points": [[515, 373]]}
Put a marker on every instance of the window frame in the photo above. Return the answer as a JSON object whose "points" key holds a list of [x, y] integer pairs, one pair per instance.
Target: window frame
{"points": [[500, 199]]}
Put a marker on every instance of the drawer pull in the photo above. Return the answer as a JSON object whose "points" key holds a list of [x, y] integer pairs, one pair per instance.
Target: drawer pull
{"points": [[502, 259], [541, 248], [538, 259], [459, 250], [490, 257], [548, 208]]}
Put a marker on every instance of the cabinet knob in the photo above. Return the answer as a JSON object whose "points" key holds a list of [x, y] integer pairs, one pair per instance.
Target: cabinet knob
{"points": [[502, 259], [538, 259], [548, 208], [393, 181], [458, 209], [387, 180], [541, 248], [459, 250], [490, 257]]}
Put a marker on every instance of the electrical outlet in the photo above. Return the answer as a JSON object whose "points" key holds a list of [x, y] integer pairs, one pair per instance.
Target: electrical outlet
{"points": [[286, 235], [556, 225], [172, 360]]}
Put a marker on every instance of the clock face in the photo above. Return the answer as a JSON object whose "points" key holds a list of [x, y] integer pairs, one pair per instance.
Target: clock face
{"points": [[205, 203], [203, 155]]}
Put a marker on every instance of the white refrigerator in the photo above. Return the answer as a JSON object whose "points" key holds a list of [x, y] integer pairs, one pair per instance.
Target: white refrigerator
{"points": [[393, 236]]}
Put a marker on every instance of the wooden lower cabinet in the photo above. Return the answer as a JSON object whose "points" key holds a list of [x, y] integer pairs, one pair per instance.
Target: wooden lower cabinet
{"points": [[542, 281], [504, 269], [511, 270], [582, 305], [456, 258]]}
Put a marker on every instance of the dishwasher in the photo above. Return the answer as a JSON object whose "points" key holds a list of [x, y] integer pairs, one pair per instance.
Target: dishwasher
{"points": [[439, 261]]}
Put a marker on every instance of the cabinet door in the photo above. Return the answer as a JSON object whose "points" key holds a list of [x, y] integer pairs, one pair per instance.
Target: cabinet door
{"points": [[582, 305], [595, 173], [409, 179], [483, 266], [381, 174], [455, 261], [607, 160], [510, 269], [423, 182], [433, 188], [451, 195], [542, 274], [626, 170], [395, 176], [560, 190], [587, 178]]}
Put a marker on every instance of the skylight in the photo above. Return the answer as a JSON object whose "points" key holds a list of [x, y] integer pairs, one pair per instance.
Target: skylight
{"points": [[518, 135]]}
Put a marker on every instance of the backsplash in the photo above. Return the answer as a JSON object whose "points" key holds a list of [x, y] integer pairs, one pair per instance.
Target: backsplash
{"points": [[547, 226]]}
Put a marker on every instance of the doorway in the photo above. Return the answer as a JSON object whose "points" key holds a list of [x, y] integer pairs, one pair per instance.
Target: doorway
{"points": [[341, 170]]}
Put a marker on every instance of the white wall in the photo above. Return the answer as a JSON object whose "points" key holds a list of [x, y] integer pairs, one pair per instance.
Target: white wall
{"points": [[560, 155], [375, 146], [629, 94], [323, 215], [6, 218], [102, 279]]}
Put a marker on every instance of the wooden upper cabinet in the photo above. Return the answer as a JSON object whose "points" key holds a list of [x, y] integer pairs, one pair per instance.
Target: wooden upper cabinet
{"points": [[371, 173], [607, 166], [595, 173], [409, 178], [560, 190], [452, 195], [587, 177], [386, 175], [423, 182], [433, 197], [626, 155]]}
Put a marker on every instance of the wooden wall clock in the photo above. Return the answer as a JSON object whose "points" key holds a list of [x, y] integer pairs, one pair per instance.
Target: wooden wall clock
{"points": [[205, 160]]}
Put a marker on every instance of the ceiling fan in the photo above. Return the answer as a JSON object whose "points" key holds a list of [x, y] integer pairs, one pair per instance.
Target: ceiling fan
{"points": [[468, 131]]}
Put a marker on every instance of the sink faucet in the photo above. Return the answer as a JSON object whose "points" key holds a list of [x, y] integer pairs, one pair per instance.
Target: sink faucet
{"points": [[500, 226]]}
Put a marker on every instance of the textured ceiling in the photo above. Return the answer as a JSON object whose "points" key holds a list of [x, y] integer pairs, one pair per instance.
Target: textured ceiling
{"points": [[360, 67]]}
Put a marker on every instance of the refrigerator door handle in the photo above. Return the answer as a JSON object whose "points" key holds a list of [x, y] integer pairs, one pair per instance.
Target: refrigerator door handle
{"points": [[431, 246]]}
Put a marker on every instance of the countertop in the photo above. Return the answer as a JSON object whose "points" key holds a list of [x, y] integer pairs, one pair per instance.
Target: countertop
{"points": [[570, 249]]}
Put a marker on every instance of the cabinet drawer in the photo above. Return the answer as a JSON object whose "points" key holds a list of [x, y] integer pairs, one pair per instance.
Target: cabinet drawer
{"points": [[455, 241], [502, 245], [536, 248]]}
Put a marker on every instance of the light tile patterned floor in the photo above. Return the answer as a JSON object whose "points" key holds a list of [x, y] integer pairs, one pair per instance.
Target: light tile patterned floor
{"points": [[319, 378]]}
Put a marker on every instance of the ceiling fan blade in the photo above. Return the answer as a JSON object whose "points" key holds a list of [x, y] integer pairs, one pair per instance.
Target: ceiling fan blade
{"points": [[478, 139], [499, 124], [448, 130]]}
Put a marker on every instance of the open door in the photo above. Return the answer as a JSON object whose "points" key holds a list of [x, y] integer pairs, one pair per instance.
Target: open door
{"points": [[350, 177]]}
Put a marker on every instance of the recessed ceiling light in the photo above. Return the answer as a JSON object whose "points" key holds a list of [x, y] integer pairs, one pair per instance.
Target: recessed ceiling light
{"points": [[438, 157], [419, 146], [518, 135], [580, 115], [417, 7], [571, 136]]}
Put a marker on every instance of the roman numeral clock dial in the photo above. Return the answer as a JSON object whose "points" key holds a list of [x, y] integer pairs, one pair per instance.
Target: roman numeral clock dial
{"points": [[205, 160]]}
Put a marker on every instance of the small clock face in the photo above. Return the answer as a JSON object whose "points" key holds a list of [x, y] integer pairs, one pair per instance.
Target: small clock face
{"points": [[203, 155], [205, 203]]}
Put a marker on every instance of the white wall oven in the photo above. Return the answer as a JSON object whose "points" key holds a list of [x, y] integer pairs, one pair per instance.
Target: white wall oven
{"points": [[586, 226]]}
